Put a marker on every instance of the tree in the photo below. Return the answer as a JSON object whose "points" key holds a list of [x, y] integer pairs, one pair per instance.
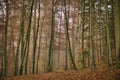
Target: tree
{"points": [[83, 25], [35, 35], [40, 33], [5, 37], [117, 29], [108, 33], [51, 39], [20, 39], [27, 42], [67, 36], [92, 60]]}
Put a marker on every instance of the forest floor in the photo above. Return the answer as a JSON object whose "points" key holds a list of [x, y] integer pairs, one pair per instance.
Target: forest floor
{"points": [[102, 73]]}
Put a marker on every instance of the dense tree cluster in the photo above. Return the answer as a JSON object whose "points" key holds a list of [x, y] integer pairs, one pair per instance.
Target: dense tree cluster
{"points": [[38, 36]]}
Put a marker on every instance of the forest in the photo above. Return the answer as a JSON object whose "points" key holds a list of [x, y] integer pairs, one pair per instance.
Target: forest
{"points": [[59, 39]]}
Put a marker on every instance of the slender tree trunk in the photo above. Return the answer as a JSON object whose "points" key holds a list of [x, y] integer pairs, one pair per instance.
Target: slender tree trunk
{"points": [[34, 40], [27, 41], [68, 39], [52, 39], [40, 34], [107, 33], [60, 38], [92, 60], [5, 38], [117, 29], [20, 40], [2, 69], [83, 23], [66, 55]]}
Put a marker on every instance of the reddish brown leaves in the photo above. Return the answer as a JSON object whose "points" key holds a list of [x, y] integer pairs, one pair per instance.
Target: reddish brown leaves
{"points": [[103, 73]]}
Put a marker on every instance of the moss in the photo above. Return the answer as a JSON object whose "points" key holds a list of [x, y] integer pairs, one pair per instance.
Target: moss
{"points": [[117, 66]]}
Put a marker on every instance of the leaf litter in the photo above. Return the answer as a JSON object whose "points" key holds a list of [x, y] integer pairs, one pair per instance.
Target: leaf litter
{"points": [[102, 73]]}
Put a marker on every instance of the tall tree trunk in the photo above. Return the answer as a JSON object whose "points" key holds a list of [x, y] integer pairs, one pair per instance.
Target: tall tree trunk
{"points": [[26, 45], [107, 33], [52, 39], [20, 40], [83, 25], [40, 34], [117, 28], [34, 40], [92, 60], [68, 39], [5, 37]]}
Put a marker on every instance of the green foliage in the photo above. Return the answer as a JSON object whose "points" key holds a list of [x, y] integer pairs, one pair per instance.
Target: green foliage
{"points": [[117, 66]]}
